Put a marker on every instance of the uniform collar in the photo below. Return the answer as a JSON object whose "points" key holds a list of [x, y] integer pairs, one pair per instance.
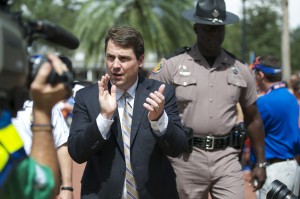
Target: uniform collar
{"points": [[222, 58]]}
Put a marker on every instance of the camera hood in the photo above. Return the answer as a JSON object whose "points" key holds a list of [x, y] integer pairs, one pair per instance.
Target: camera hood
{"points": [[13, 55]]}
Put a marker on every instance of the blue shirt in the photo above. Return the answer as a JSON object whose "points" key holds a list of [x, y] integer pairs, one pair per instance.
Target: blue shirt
{"points": [[279, 112]]}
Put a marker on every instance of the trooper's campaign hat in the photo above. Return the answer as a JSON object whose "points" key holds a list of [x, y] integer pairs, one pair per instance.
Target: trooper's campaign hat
{"points": [[210, 12]]}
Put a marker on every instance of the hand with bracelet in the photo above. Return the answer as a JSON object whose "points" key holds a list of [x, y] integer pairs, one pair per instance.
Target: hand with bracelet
{"points": [[45, 96], [66, 192]]}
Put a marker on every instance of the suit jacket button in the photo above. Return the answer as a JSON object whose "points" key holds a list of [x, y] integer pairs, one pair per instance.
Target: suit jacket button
{"points": [[122, 171], [119, 195]]}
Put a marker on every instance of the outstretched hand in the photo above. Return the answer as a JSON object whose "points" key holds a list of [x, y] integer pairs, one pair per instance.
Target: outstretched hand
{"points": [[155, 103], [108, 103]]}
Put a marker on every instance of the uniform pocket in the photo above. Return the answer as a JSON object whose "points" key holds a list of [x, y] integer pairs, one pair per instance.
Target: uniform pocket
{"points": [[185, 80], [185, 90], [236, 84]]}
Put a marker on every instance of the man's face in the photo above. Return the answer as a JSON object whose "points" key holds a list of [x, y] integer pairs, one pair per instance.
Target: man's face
{"points": [[209, 38], [122, 65]]}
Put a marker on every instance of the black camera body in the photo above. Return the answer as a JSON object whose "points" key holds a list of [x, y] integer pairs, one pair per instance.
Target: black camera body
{"points": [[17, 68], [13, 56], [36, 61]]}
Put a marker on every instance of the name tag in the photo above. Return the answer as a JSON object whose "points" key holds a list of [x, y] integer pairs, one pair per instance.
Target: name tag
{"points": [[185, 73]]}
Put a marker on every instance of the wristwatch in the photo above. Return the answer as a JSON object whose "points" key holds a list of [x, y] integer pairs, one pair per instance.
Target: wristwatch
{"points": [[262, 164]]}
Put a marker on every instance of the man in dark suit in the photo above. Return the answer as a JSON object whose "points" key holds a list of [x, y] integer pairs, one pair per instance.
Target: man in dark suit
{"points": [[126, 158]]}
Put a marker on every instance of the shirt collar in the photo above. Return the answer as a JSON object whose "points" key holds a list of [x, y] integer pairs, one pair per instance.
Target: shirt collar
{"points": [[130, 91]]}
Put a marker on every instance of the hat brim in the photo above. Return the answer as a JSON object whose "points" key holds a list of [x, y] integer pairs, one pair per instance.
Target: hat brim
{"points": [[230, 18]]}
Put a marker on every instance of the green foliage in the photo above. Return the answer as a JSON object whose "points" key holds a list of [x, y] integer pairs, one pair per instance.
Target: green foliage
{"points": [[61, 13], [263, 30], [160, 23], [233, 39], [295, 49]]}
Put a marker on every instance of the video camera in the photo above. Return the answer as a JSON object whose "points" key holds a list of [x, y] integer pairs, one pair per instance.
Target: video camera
{"points": [[17, 68]]}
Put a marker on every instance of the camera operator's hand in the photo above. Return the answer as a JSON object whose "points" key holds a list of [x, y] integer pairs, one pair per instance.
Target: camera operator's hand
{"points": [[258, 177], [45, 95]]}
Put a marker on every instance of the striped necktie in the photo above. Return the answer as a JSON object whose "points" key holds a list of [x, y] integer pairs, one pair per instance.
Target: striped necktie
{"points": [[126, 131]]}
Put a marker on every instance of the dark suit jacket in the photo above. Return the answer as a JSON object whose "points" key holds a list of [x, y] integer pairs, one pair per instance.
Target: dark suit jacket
{"points": [[105, 169]]}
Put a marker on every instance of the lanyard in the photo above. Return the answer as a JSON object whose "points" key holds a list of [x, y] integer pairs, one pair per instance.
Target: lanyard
{"points": [[276, 86]]}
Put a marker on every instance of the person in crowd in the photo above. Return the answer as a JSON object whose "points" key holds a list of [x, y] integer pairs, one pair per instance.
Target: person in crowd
{"points": [[293, 79], [125, 127], [279, 111], [36, 175], [209, 83], [295, 86], [22, 123], [296, 90], [66, 106]]}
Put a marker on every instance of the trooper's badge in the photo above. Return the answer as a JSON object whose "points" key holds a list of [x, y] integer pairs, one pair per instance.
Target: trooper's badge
{"points": [[158, 67], [234, 70]]}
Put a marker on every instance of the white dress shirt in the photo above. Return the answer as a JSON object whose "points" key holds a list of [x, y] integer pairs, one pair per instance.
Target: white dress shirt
{"points": [[159, 127]]}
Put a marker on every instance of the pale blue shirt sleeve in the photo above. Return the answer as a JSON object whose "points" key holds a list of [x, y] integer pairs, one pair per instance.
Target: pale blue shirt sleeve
{"points": [[104, 126], [160, 126]]}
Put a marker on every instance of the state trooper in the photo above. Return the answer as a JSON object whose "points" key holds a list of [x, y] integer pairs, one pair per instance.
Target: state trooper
{"points": [[209, 83]]}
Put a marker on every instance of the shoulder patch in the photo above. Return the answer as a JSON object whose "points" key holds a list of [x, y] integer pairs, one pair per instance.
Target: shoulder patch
{"points": [[158, 67]]}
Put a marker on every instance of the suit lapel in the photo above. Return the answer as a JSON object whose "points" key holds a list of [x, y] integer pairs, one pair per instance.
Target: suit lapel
{"points": [[138, 112], [117, 131]]}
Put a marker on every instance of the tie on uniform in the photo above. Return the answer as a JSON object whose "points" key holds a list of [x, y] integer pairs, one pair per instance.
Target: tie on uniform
{"points": [[126, 131]]}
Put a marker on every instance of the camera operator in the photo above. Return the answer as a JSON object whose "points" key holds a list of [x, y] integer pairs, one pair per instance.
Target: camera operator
{"points": [[22, 122], [36, 175]]}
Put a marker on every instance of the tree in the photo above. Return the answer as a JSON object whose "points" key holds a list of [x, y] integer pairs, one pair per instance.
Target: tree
{"points": [[263, 28], [232, 42], [160, 23], [295, 49]]}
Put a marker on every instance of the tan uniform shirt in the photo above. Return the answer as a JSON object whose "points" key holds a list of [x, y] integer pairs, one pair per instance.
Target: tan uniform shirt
{"points": [[207, 96]]}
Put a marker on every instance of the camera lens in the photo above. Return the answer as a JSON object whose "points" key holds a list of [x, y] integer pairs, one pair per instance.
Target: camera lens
{"points": [[280, 191]]}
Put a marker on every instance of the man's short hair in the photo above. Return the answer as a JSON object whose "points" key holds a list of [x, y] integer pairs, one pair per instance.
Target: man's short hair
{"points": [[126, 37], [272, 62]]}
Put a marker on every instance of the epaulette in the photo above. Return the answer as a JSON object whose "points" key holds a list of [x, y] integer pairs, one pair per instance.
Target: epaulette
{"points": [[178, 51], [233, 56]]}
